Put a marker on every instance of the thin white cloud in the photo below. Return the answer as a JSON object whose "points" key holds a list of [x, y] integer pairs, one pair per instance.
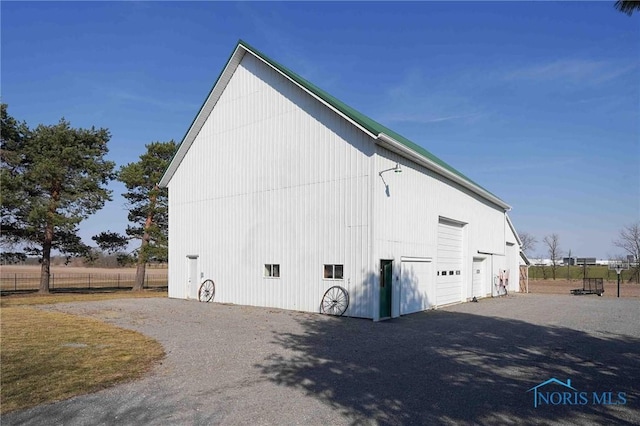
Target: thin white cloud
{"points": [[427, 119], [579, 70], [417, 98], [412, 83], [125, 96], [542, 164]]}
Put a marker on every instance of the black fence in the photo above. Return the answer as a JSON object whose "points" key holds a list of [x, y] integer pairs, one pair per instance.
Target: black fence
{"points": [[20, 282]]}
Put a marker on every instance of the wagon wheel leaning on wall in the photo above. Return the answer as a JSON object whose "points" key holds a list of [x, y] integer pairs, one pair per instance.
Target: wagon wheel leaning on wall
{"points": [[207, 291], [335, 301]]}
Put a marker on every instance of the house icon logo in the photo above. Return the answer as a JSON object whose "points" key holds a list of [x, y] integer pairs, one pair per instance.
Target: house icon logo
{"points": [[561, 393], [552, 380]]}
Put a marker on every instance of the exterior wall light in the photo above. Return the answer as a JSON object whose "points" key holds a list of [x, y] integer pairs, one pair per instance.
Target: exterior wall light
{"points": [[395, 169]]}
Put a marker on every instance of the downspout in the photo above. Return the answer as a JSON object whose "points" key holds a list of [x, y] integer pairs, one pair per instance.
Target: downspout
{"points": [[494, 277], [473, 298], [491, 280]]}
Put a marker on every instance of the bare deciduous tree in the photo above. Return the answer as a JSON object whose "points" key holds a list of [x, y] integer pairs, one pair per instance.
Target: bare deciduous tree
{"points": [[552, 242], [540, 261], [528, 242], [629, 241]]}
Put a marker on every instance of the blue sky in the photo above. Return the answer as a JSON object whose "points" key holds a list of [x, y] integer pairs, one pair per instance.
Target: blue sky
{"points": [[539, 102]]}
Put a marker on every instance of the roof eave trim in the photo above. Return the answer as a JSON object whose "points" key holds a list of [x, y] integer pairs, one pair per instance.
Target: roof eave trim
{"points": [[429, 164]]}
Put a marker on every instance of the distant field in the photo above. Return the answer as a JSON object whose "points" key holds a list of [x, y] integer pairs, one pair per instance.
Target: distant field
{"points": [[577, 272], [27, 277], [562, 286]]}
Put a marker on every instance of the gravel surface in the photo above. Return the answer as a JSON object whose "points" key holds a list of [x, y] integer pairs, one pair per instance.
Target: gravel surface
{"points": [[466, 364]]}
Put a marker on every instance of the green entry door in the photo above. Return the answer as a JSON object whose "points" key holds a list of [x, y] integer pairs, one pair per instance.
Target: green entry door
{"points": [[386, 279]]}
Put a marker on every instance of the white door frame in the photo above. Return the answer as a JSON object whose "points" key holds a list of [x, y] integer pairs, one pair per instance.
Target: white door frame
{"points": [[192, 276]]}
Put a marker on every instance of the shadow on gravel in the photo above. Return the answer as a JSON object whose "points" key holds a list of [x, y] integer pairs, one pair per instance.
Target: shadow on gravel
{"points": [[441, 367]]}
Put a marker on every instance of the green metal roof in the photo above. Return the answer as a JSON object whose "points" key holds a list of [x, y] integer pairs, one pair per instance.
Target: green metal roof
{"points": [[365, 122]]}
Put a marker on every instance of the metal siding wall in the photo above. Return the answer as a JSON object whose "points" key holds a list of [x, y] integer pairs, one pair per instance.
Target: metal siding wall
{"points": [[512, 254], [406, 220], [273, 177], [512, 261]]}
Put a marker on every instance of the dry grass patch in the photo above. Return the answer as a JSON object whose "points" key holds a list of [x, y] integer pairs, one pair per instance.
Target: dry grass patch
{"points": [[48, 356], [46, 299]]}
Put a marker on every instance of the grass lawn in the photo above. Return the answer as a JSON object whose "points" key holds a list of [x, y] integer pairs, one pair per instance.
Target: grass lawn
{"points": [[578, 272], [50, 356]]}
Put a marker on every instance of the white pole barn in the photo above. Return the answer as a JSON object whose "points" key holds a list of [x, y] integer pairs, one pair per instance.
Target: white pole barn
{"points": [[279, 191]]}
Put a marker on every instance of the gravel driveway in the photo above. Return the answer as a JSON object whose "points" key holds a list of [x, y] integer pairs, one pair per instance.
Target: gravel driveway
{"points": [[469, 363]]}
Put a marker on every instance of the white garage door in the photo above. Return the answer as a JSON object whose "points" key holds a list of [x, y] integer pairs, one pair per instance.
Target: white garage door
{"points": [[449, 273], [416, 290]]}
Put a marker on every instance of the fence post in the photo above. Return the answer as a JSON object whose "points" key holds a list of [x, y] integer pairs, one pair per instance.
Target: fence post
{"points": [[89, 280], [15, 282], [53, 281], [118, 280], [147, 279]]}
